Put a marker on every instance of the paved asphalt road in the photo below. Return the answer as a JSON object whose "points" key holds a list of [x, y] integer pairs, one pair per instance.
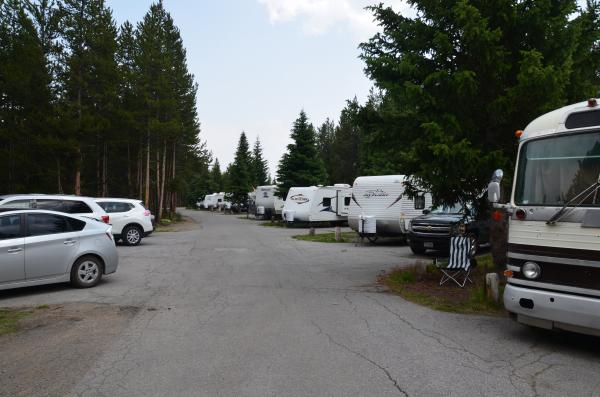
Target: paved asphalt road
{"points": [[236, 309]]}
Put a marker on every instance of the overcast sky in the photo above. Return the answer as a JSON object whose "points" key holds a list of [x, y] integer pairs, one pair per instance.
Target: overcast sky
{"points": [[259, 62]]}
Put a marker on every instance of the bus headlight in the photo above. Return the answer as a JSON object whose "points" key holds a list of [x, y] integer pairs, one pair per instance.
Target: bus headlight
{"points": [[531, 270]]}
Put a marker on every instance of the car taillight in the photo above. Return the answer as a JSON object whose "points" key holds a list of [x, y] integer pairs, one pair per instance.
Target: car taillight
{"points": [[146, 213], [105, 218]]}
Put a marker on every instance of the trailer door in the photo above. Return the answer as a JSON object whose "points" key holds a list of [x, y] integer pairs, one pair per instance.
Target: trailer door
{"points": [[342, 202]]}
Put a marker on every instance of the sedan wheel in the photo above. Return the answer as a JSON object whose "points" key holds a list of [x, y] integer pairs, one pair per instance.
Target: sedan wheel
{"points": [[86, 272], [132, 235]]}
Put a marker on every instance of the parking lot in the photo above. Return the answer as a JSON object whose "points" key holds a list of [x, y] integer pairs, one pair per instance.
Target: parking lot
{"points": [[230, 308]]}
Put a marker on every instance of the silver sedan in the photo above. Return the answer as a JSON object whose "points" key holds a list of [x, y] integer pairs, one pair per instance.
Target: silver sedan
{"points": [[45, 247]]}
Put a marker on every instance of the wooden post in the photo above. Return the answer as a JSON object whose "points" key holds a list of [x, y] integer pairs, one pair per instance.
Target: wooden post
{"points": [[338, 233]]}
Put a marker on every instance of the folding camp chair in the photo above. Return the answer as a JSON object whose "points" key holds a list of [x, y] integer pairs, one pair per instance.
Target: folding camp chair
{"points": [[459, 263]]}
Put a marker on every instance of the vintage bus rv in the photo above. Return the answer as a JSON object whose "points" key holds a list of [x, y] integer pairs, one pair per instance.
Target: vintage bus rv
{"points": [[553, 268]]}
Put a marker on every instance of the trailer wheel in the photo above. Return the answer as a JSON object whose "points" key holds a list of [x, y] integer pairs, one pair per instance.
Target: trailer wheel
{"points": [[372, 239]]}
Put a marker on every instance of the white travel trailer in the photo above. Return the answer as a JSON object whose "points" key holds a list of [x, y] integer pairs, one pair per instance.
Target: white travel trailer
{"points": [[215, 201], [265, 200], [553, 270], [318, 204], [384, 199]]}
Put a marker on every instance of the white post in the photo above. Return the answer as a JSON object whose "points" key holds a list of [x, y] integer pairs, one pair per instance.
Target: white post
{"points": [[338, 233], [491, 280]]}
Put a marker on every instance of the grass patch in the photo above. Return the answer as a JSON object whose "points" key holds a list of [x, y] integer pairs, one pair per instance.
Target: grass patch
{"points": [[9, 319], [347, 237], [275, 223], [420, 284]]}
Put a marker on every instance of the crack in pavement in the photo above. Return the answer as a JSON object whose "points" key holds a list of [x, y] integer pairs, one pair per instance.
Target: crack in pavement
{"points": [[362, 356]]}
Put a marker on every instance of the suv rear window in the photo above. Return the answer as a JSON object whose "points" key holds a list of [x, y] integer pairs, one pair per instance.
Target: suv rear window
{"points": [[112, 207], [68, 206]]}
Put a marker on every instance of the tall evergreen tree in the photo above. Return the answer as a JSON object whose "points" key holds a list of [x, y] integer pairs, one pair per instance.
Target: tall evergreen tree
{"points": [[260, 169], [90, 88], [462, 76], [216, 177], [240, 172], [301, 164], [325, 136], [345, 145]]}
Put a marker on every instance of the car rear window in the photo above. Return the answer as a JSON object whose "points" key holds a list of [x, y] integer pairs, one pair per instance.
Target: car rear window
{"points": [[45, 224], [76, 224], [10, 227]]}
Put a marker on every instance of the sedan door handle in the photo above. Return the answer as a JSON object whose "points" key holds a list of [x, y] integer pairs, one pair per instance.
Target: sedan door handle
{"points": [[14, 250], [69, 242]]}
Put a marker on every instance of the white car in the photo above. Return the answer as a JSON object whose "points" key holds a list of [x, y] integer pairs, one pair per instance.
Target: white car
{"points": [[44, 247], [74, 205], [130, 219]]}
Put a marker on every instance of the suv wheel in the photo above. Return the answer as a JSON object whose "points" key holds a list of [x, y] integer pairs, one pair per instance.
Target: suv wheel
{"points": [[417, 248], [86, 272], [132, 235]]}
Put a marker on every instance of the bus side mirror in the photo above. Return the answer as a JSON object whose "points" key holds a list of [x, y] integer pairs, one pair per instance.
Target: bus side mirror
{"points": [[494, 187]]}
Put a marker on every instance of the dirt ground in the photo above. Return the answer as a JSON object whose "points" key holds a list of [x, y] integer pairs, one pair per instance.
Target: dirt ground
{"points": [[54, 347]]}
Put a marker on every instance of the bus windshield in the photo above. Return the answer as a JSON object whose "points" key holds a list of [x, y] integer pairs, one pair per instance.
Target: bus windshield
{"points": [[554, 170]]}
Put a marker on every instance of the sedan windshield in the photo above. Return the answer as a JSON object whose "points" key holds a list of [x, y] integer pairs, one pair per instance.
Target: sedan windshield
{"points": [[554, 170]]}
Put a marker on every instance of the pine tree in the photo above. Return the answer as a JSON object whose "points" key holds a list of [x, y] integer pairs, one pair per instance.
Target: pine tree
{"points": [[325, 137], [90, 88], [240, 172], [345, 145], [301, 164], [462, 76], [216, 178], [260, 169]]}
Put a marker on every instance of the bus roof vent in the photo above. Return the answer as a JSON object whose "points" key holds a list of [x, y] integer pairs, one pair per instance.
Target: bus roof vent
{"points": [[590, 118]]}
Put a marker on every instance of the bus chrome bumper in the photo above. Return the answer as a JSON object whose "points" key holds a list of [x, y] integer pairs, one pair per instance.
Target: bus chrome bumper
{"points": [[550, 310]]}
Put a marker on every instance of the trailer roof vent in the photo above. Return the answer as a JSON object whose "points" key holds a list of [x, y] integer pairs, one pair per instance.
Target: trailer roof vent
{"points": [[583, 119]]}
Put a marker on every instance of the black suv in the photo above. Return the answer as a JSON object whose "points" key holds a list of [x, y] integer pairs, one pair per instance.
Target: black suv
{"points": [[433, 229]]}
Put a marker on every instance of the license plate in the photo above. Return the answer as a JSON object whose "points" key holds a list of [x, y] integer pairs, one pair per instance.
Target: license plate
{"points": [[428, 245]]}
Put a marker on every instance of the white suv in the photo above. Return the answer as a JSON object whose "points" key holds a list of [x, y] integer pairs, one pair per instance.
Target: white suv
{"points": [[74, 205], [130, 219]]}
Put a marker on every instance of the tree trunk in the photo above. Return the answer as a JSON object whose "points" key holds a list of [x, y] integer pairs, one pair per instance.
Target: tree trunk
{"points": [[174, 192], [78, 162], [60, 189], [147, 192], [162, 184], [105, 171]]}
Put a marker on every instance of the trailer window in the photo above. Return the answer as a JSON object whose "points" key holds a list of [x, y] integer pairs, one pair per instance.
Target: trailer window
{"points": [[347, 201], [554, 170], [326, 201]]}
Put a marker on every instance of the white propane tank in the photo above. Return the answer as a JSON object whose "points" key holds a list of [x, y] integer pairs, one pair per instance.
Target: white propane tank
{"points": [[260, 210], [367, 224], [288, 216]]}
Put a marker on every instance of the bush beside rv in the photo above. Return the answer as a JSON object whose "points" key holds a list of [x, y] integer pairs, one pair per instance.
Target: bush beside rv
{"points": [[553, 270], [384, 198], [318, 204]]}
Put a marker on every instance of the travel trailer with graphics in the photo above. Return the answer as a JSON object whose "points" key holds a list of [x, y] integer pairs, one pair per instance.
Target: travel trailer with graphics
{"points": [[215, 201], [384, 199], [318, 204], [265, 201], [553, 270]]}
